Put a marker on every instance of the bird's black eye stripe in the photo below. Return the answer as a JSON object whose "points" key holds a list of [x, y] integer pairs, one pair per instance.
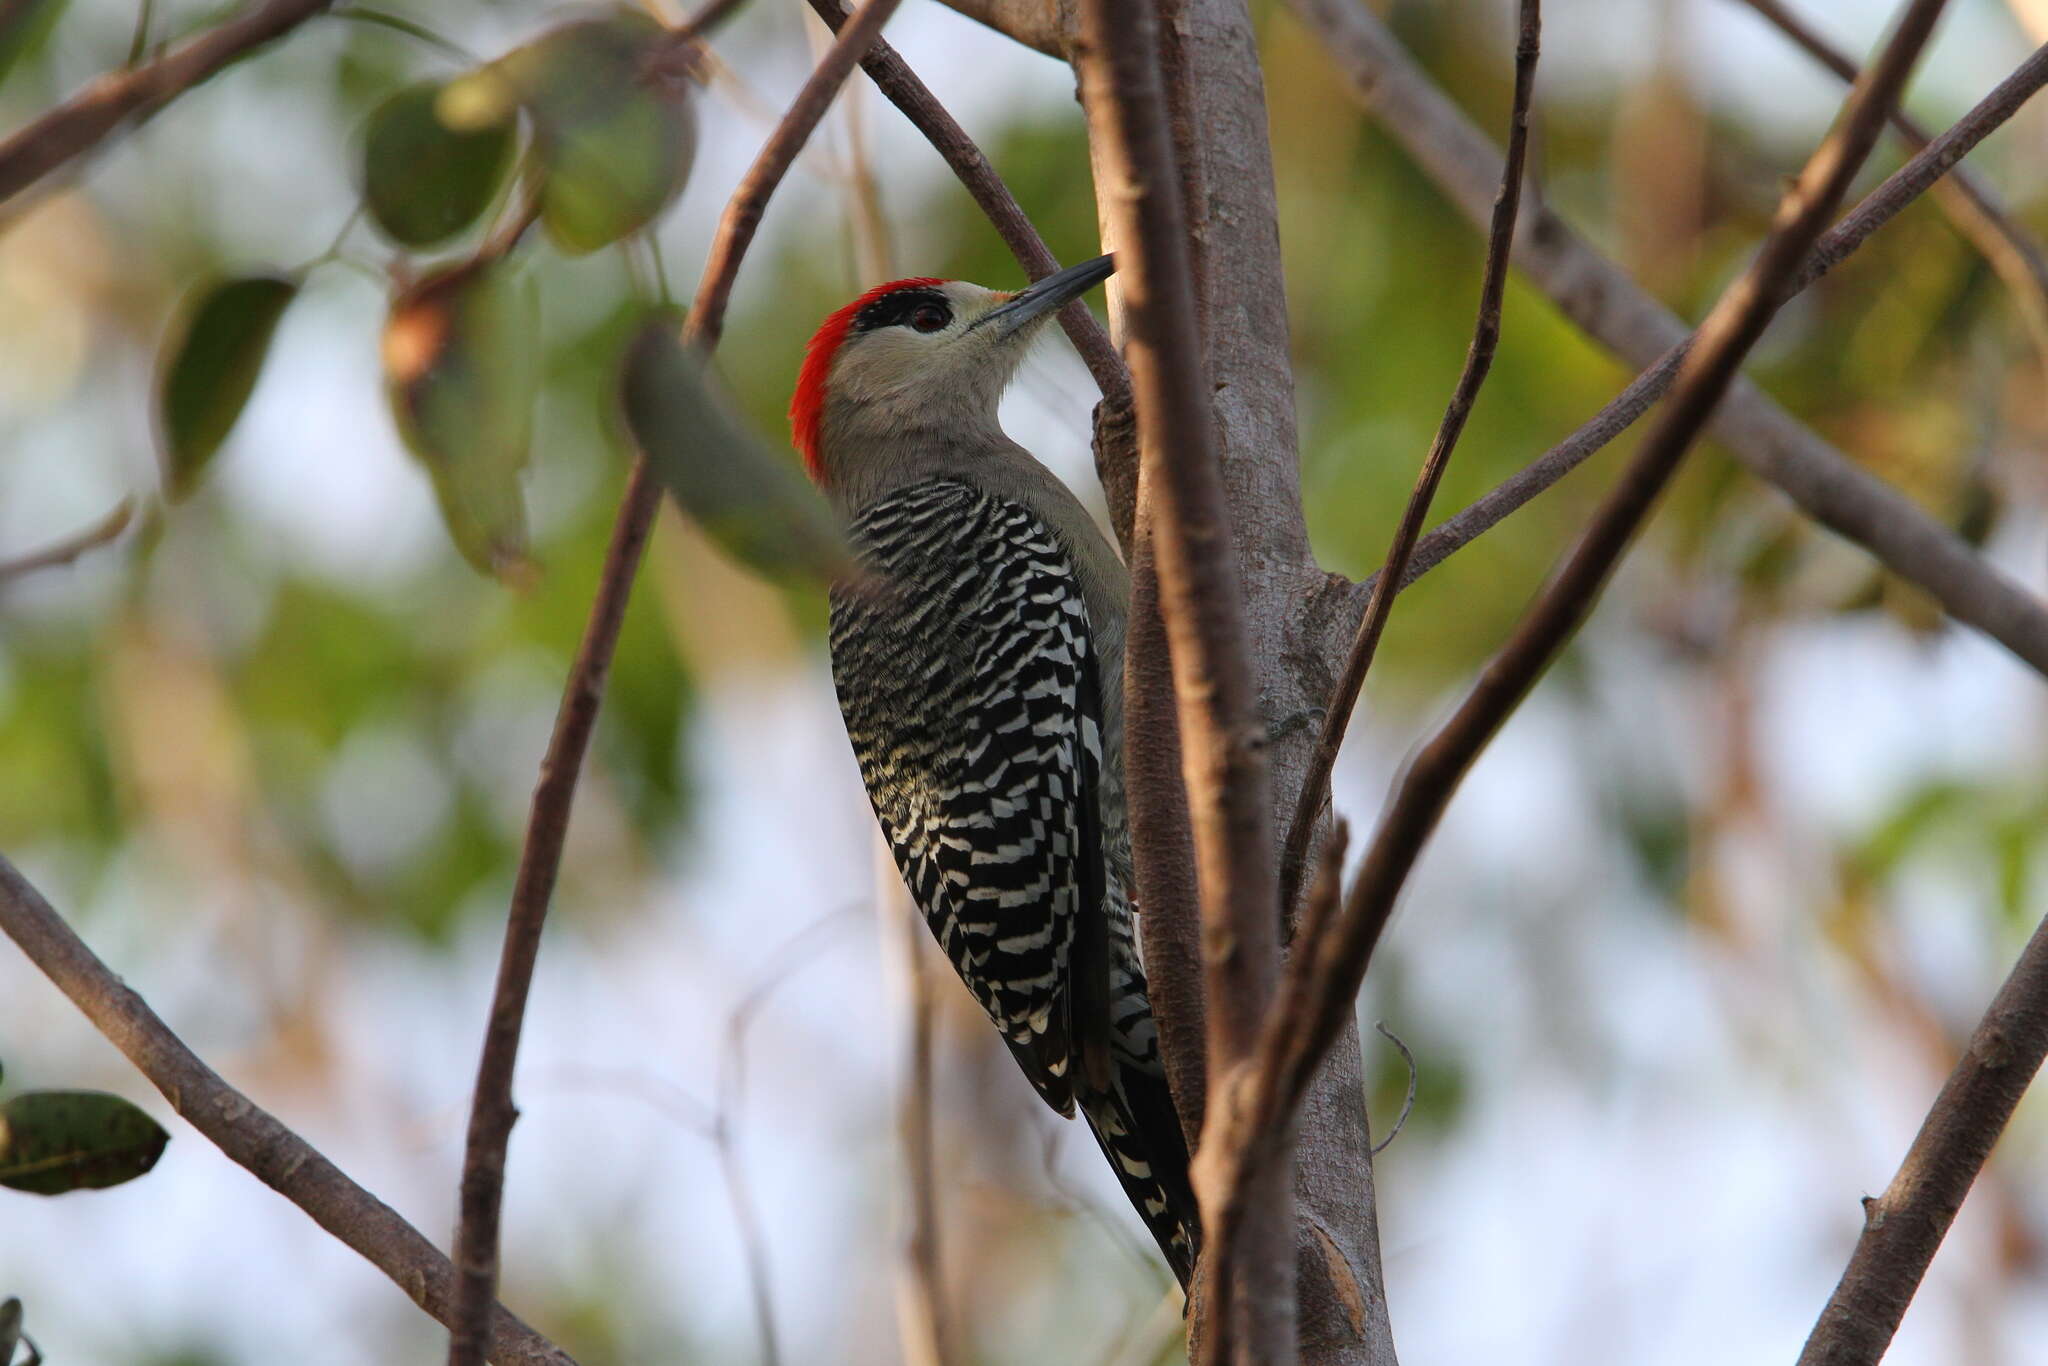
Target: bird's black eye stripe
{"points": [[905, 306]]}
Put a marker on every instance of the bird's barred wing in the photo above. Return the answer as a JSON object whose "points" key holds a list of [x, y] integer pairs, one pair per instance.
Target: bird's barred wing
{"points": [[965, 671]]}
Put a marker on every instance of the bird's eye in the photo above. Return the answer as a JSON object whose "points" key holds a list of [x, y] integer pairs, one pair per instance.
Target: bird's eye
{"points": [[930, 317]]}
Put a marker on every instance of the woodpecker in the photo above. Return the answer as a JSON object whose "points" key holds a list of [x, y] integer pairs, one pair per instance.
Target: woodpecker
{"points": [[980, 672]]}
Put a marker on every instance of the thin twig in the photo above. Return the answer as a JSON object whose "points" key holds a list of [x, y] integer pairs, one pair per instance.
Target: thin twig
{"points": [[927, 1328], [1408, 1103], [1324, 893], [715, 1125], [248, 1134], [682, 52], [509, 233], [411, 28], [746, 1217], [1903, 1227], [1254, 1142], [743, 211], [1147, 1341], [1971, 205], [785, 961], [1315, 787], [1250, 1297], [1076, 1202], [493, 1113], [138, 43], [82, 122], [867, 223], [1603, 301], [1294, 1047], [718, 1123], [334, 247], [675, 1103], [72, 546], [706, 20]]}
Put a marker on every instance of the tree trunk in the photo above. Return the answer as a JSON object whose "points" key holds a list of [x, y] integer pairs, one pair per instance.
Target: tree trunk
{"points": [[1300, 618]]}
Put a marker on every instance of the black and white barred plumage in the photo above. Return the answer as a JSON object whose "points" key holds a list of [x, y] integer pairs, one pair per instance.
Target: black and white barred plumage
{"points": [[969, 678]]}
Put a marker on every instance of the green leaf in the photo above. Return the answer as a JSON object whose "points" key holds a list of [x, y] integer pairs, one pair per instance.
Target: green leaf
{"points": [[614, 138], [24, 28], [10, 1329], [423, 180], [57, 1141], [210, 369], [461, 367], [748, 498], [607, 180]]}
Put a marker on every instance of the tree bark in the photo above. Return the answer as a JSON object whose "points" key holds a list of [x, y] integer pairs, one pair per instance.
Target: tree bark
{"points": [[1245, 1298]]}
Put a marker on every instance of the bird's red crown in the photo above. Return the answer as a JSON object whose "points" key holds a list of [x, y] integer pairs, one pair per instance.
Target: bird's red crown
{"points": [[807, 404]]}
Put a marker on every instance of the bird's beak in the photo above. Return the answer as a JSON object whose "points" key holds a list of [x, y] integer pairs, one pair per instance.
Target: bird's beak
{"points": [[1056, 289]]}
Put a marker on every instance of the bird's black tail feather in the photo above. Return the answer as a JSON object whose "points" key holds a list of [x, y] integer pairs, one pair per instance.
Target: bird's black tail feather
{"points": [[1139, 1132]]}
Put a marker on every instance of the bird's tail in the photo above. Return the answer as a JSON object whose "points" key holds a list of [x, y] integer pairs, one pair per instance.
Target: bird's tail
{"points": [[1139, 1130]]}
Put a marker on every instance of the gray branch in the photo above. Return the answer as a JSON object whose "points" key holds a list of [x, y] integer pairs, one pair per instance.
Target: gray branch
{"points": [[1903, 1227], [82, 122], [244, 1130]]}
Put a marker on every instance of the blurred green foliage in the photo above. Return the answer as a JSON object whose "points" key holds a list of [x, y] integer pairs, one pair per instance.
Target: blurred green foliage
{"points": [[613, 142], [747, 497], [424, 181], [211, 360], [60, 775], [24, 29], [461, 355], [1989, 836]]}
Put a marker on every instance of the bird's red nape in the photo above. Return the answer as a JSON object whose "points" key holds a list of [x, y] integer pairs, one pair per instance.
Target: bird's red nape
{"points": [[807, 404]]}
